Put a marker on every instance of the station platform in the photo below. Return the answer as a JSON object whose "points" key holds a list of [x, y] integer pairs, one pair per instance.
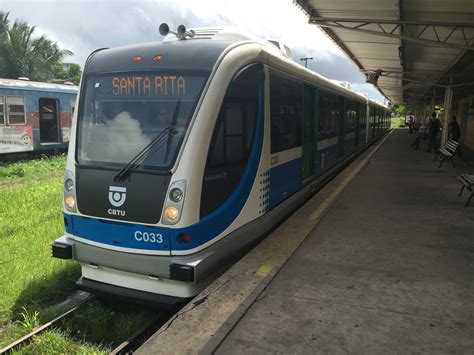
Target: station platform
{"points": [[381, 259]]}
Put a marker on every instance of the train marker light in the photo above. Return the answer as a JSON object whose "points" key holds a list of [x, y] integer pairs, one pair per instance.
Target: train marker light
{"points": [[70, 202], [157, 57], [68, 185], [185, 238], [171, 213], [137, 58], [176, 195]]}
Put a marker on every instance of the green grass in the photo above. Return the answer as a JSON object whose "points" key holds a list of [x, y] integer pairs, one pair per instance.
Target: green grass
{"points": [[31, 170], [59, 342], [30, 219], [32, 282]]}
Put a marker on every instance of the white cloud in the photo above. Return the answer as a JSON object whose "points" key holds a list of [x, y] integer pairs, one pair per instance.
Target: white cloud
{"points": [[85, 25]]}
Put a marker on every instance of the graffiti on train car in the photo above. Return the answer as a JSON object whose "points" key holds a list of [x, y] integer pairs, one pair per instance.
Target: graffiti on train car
{"points": [[14, 139]]}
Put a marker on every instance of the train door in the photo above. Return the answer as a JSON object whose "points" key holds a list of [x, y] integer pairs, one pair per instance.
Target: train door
{"points": [[48, 119], [286, 122], [309, 133]]}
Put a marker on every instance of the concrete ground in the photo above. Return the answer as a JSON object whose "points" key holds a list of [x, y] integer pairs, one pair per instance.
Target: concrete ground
{"points": [[390, 267]]}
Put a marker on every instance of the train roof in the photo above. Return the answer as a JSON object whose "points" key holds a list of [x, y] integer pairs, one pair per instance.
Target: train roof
{"points": [[37, 86], [199, 53]]}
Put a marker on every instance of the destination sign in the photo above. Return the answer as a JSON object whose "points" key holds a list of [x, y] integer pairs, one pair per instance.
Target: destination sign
{"points": [[141, 85]]}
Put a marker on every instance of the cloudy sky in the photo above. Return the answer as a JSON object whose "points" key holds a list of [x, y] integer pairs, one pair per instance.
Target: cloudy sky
{"points": [[84, 25]]}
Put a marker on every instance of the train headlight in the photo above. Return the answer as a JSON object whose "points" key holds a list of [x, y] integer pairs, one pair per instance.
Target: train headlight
{"points": [[176, 195], [70, 202], [172, 214], [173, 206], [68, 185]]}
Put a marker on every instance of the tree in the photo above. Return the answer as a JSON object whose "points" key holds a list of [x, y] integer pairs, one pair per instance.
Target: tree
{"points": [[401, 111], [71, 74], [22, 54]]}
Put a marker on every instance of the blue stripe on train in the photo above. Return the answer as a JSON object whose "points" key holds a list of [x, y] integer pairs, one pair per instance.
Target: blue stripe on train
{"points": [[32, 98], [119, 234], [285, 180]]}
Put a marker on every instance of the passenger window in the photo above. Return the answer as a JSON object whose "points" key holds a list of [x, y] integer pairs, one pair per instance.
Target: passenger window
{"points": [[329, 113], [232, 139], [286, 109], [16, 110], [362, 113], [372, 117], [2, 110], [351, 116]]}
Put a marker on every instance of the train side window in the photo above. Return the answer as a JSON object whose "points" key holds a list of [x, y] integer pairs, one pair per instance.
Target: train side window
{"points": [[362, 113], [351, 116], [372, 117], [329, 113], [2, 110], [232, 139], [16, 110], [286, 107]]}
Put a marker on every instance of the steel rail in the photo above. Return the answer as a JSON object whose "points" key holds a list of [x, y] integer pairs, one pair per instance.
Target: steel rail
{"points": [[45, 326]]}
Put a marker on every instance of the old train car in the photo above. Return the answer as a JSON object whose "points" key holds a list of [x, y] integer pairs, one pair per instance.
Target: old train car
{"points": [[34, 116]]}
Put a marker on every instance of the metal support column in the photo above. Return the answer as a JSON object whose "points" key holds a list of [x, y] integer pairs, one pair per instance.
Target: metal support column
{"points": [[448, 99], [424, 111], [432, 109]]}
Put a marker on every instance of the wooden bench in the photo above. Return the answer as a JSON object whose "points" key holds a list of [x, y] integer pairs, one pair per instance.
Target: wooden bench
{"points": [[467, 181], [447, 153]]}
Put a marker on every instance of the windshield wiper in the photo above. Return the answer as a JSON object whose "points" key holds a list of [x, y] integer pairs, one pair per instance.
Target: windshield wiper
{"points": [[156, 142], [173, 124]]}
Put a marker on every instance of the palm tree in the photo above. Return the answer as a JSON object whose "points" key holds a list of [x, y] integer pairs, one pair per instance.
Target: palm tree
{"points": [[22, 54]]}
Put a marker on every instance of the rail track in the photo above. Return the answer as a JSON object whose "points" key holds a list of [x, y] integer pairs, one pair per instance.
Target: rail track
{"points": [[77, 299], [144, 333]]}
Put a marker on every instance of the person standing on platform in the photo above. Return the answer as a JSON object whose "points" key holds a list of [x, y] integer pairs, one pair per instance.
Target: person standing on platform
{"points": [[454, 131], [410, 124], [434, 126]]}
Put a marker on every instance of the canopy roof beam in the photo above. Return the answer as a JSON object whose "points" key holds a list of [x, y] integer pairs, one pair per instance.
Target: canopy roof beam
{"points": [[358, 25]]}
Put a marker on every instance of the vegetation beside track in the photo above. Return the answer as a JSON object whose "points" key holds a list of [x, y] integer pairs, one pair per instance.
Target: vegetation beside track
{"points": [[13, 174], [33, 282]]}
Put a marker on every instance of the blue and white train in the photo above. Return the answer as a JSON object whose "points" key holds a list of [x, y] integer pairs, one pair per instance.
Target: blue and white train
{"points": [[186, 152]]}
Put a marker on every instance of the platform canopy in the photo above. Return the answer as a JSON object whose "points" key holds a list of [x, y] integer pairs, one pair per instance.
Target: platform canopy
{"points": [[417, 46]]}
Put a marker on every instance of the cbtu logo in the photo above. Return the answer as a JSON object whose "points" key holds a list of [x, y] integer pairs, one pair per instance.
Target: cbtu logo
{"points": [[117, 195]]}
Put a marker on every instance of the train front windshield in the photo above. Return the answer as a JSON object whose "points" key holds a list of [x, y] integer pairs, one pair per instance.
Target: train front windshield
{"points": [[122, 113]]}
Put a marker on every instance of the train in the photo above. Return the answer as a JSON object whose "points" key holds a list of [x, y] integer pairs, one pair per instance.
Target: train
{"points": [[186, 152], [35, 117]]}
